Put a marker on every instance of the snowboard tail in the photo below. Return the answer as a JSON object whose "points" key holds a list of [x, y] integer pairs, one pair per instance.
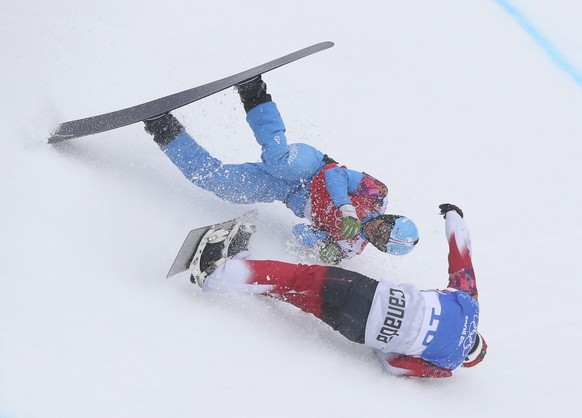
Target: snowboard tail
{"points": [[119, 118], [191, 249]]}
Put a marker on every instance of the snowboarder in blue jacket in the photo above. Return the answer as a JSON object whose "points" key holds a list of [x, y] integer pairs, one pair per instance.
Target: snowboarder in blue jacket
{"points": [[345, 207]]}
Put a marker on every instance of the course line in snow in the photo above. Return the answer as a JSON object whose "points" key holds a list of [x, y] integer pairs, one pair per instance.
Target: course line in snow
{"points": [[554, 53]]}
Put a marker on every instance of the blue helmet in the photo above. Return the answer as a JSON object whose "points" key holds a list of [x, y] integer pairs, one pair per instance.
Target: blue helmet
{"points": [[392, 234], [403, 238]]}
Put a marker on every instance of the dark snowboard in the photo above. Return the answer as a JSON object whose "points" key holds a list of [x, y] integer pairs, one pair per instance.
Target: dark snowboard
{"points": [[119, 118], [191, 248]]}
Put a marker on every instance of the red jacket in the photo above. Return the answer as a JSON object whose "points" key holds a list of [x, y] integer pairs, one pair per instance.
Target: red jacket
{"points": [[368, 198]]}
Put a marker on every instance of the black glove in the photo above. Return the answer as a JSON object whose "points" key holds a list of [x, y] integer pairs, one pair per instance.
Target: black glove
{"points": [[447, 207]]}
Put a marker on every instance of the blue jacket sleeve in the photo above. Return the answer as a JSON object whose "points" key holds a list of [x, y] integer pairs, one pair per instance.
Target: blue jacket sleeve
{"points": [[341, 181]]}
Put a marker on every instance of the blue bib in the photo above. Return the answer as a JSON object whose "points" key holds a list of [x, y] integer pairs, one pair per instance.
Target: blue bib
{"points": [[456, 332]]}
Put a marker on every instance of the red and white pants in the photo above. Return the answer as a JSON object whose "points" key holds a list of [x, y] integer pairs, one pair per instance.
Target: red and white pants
{"points": [[341, 298]]}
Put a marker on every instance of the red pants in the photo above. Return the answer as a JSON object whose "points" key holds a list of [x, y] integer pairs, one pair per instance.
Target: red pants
{"points": [[341, 298]]}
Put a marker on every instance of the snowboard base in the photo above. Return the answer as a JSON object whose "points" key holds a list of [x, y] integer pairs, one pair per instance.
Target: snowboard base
{"points": [[119, 118]]}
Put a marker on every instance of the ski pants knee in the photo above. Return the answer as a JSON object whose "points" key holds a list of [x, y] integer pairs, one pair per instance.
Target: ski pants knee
{"points": [[292, 162], [235, 183]]}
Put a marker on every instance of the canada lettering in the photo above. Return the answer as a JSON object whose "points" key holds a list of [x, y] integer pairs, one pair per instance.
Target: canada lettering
{"points": [[393, 320]]}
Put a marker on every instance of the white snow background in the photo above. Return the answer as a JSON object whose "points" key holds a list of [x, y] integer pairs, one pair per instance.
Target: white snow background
{"points": [[445, 101]]}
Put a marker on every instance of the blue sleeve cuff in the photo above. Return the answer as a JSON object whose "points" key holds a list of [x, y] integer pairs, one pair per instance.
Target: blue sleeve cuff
{"points": [[307, 236]]}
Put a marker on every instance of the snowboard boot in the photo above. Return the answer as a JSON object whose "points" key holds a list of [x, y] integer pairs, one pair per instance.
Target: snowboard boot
{"points": [[216, 246], [253, 92], [163, 127]]}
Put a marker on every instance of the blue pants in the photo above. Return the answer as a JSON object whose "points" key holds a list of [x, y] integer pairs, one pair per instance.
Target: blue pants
{"points": [[284, 173]]}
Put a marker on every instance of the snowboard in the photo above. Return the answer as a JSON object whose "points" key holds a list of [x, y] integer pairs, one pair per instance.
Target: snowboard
{"points": [[119, 118], [235, 233]]}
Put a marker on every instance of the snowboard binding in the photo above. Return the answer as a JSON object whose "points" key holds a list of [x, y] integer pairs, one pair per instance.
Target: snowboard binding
{"points": [[207, 247], [218, 245]]}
